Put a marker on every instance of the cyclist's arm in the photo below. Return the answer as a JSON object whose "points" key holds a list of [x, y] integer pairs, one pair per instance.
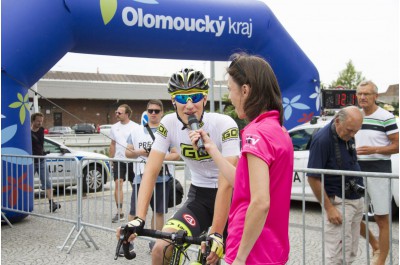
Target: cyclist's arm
{"points": [[257, 211], [151, 170], [222, 201]]}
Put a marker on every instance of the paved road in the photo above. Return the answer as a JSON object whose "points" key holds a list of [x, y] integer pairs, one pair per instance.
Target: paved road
{"points": [[37, 240]]}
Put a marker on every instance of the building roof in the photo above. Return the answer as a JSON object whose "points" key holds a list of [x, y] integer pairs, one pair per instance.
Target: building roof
{"points": [[391, 95], [77, 85], [79, 76]]}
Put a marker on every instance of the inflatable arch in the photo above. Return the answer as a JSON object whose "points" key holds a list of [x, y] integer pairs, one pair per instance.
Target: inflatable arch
{"points": [[37, 34]]}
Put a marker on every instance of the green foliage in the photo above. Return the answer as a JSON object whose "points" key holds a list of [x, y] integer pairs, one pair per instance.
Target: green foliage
{"points": [[230, 111], [348, 78], [396, 108]]}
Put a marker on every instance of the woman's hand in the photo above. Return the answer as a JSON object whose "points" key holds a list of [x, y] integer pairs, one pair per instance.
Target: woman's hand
{"points": [[209, 145]]}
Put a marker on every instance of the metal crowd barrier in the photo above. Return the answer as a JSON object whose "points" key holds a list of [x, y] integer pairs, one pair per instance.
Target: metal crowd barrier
{"points": [[84, 209], [343, 173]]}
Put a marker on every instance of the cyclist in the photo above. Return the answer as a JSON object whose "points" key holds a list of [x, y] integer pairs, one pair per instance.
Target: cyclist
{"points": [[210, 194]]}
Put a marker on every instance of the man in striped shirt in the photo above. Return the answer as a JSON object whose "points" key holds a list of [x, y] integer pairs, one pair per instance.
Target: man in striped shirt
{"points": [[377, 140]]}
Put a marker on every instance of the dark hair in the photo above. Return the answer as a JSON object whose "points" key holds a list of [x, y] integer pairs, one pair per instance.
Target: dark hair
{"points": [[128, 109], [155, 102], [34, 115], [265, 94]]}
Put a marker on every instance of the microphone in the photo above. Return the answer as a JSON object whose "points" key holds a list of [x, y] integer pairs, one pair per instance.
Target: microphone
{"points": [[194, 125]]}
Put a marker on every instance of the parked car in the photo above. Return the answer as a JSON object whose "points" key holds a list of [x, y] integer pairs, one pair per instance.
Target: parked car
{"points": [[60, 130], [301, 139], [61, 165], [105, 129], [84, 128]]}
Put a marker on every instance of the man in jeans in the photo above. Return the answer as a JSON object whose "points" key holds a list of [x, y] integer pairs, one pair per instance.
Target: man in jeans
{"points": [[119, 134], [333, 147], [37, 134], [376, 141]]}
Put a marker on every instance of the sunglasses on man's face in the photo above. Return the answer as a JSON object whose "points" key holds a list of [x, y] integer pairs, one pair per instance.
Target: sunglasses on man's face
{"points": [[183, 99], [153, 111], [119, 113]]}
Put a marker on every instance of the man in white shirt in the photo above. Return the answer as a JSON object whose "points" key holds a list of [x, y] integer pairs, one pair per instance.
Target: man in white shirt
{"points": [[377, 140], [119, 135]]}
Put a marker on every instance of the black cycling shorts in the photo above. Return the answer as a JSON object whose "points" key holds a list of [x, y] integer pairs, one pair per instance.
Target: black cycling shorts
{"points": [[120, 169], [197, 213]]}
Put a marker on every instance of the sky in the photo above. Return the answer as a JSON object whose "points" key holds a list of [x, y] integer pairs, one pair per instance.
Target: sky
{"points": [[330, 32]]}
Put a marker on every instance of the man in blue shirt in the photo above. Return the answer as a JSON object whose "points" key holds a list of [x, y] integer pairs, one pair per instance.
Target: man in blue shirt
{"points": [[333, 147]]}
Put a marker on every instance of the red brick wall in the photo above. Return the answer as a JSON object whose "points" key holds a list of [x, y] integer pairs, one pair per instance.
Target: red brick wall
{"points": [[90, 111]]}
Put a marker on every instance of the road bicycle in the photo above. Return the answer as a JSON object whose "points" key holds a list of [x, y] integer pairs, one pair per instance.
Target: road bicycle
{"points": [[177, 240]]}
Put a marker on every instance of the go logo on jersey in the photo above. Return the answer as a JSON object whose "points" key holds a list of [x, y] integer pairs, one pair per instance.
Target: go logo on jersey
{"points": [[232, 133], [161, 130], [189, 152]]}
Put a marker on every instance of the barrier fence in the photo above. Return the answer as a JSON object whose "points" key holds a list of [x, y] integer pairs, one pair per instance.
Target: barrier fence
{"points": [[89, 201]]}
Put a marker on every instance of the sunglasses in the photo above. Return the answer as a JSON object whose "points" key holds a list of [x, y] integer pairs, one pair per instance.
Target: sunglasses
{"points": [[153, 111], [119, 113], [183, 99]]}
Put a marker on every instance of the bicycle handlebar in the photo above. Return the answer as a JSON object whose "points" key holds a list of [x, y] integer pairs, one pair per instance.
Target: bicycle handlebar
{"points": [[178, 238]]}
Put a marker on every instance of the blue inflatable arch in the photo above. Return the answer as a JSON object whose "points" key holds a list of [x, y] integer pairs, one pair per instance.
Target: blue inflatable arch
{"points": [[37, 34]]}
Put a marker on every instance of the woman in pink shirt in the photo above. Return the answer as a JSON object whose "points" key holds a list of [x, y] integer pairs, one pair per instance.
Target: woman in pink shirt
{"points": [[258, 227]]}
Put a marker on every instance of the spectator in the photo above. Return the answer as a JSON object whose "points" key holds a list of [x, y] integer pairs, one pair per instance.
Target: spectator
{"points": [[376, 141], [258, 227], [139, 146], [333, 147], [119, 134], [207, 203], [37, 134]]}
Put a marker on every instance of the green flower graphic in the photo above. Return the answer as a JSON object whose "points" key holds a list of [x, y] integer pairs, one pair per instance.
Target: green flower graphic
{"points": [[108, 9], [23, 104]]}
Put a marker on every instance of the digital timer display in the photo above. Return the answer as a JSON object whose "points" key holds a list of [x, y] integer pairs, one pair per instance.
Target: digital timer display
{"points": [[338, 98]]}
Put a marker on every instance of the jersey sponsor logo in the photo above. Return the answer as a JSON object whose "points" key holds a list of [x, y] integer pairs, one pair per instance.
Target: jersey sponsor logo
{"points": [[252, 139], [189, 219], [232, 133], [161, 130], [189, 152]]}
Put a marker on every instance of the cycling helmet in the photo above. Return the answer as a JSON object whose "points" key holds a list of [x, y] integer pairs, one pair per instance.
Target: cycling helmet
{"points": [[187, 79]]}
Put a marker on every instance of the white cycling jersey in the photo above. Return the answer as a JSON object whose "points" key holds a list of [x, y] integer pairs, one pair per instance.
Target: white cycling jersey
{"points": [[221, 128]]}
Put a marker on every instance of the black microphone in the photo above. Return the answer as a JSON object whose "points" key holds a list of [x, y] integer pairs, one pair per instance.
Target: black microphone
{"points": [[194, 125]]}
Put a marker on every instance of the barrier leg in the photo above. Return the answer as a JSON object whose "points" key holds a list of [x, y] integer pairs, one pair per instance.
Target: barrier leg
{"points": [[6, 219]]}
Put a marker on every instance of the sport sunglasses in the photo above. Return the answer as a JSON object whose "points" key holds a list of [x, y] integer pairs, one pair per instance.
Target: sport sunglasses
{"points": [[183, 99]]}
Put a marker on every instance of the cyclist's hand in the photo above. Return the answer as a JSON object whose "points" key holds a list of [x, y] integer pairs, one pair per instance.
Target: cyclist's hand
{"points": [[137, 225], [217, 248]]}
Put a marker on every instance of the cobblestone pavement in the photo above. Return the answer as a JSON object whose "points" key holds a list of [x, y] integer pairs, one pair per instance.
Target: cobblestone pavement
{"points": [[37, 240]]}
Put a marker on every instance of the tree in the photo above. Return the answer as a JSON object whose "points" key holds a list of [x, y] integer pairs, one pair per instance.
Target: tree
{"points": [[349, 77]]}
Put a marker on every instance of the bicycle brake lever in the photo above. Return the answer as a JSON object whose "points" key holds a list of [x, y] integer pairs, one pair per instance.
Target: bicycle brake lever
{"points": [[121, 239]]}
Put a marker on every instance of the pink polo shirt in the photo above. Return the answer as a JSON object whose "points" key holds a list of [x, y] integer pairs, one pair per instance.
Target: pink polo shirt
{"points": [[269, 141]]}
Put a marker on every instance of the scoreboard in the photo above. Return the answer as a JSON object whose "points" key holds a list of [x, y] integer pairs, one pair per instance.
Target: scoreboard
{"points": [[338, 98]]}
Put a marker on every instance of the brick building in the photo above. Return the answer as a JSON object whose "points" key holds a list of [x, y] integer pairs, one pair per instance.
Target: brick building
{"points": [[67, 98]]}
